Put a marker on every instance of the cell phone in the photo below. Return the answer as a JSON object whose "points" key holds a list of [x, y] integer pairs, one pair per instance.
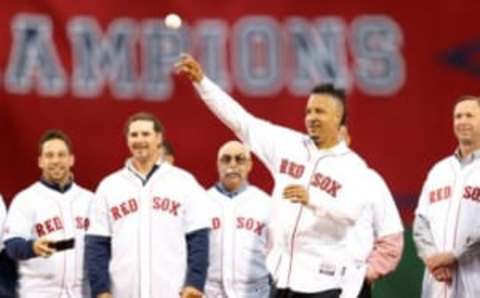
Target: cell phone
{"points": [[63, 244]]}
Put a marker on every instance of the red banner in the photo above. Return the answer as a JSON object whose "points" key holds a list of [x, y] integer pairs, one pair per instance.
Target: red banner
{"points": [[85, 66]]}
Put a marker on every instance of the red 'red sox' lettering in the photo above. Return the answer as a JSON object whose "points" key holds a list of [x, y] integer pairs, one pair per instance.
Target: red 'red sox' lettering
{"points": [[216, 223], [49, 226], [167, 205], [124, 209], [471, 193], [292, 169], [326, 184], [250, 224], [82, 223], [440, 194]]}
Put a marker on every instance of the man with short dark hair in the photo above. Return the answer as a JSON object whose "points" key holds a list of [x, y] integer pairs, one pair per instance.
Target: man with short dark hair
{"points": [[149, 224], [321, 186], [447, 221], [46, 224]]}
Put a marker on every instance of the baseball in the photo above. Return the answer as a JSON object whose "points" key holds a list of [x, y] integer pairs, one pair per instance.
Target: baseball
{"points": [[173, 21]]}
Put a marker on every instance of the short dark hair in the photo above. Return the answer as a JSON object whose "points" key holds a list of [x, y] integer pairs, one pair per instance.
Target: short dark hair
{"points": [[54, 134], [337, 93], [168, 148], [144, 116], [468, 97]]}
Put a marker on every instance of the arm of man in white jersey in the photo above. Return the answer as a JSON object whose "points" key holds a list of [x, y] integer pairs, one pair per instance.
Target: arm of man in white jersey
{"points": [[388, 230], [19, 240], [425, 244], [98, 247], [262, 137]]}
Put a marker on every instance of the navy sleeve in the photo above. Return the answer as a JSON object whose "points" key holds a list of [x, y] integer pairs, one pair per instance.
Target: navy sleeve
{"points": [[8, 275], [197, 258], [97, 258], [19, 249]]}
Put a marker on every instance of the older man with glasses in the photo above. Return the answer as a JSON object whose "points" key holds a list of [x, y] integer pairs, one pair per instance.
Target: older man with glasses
{"points": [[239, 235]]}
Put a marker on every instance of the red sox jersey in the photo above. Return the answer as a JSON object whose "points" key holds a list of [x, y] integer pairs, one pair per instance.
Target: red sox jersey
{"points": [[309, 243], [40, 211], [238, 244], [147, 224], [450, 201]]}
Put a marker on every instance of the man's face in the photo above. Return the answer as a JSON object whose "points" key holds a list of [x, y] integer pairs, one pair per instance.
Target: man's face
{"points": [[322, 117], [56, 161], [466, 122], [234, 164], [143, 141]]}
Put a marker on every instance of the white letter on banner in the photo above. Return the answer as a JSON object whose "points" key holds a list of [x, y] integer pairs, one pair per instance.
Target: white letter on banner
{"points": [[161, 48], [33, 56], [98, 59], [379, 65], [318, 52], [257, 56], [211, 41]]}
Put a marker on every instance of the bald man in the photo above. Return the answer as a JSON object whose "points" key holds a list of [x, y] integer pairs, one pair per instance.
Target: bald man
{"points": [[238, 239]]}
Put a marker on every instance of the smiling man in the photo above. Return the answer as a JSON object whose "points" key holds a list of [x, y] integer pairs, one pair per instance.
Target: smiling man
{"points": [[46, 224], [447, 221], [149, 224], [240, 223], [321, 186]]}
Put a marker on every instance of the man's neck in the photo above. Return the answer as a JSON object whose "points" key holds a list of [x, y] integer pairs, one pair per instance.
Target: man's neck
{"points": [[58, 185], [327, 144], [143, 167], [467, 149]]}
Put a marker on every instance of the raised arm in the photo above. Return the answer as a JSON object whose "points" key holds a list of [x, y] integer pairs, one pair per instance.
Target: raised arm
{"points": [[261, 136]]}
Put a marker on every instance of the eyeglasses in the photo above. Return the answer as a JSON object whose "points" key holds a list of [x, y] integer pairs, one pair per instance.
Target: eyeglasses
{"points": [[239, 159]]}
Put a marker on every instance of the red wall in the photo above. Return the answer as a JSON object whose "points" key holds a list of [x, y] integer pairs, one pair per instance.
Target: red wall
{"points": [[401, 134]]}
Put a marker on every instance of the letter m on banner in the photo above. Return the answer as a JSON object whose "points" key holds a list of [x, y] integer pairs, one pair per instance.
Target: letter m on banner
{"points": [[99, 59]]}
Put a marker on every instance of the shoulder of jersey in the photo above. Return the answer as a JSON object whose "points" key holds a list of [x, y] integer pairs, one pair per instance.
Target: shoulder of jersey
{"points": [[444, 163], [112, 177], [27, 193], [83, 190], [181, 173], [355, 159], [259, 192]]}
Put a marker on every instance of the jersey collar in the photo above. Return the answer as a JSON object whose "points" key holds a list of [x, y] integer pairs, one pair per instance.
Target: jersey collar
{"points": [[56, 186], [339, 149], [231, 194], [144, 178], [466, 160]]}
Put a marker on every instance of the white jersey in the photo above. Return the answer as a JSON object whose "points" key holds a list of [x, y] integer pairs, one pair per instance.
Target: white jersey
{"points": [[238, 244], [147, 224], [450, 201], [380, 218], [309, 250], [40, 211], [3, 217]]}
